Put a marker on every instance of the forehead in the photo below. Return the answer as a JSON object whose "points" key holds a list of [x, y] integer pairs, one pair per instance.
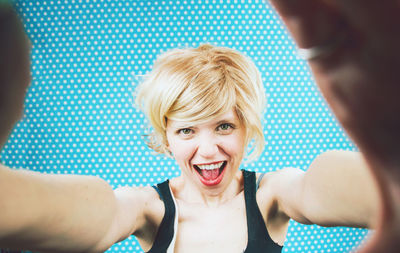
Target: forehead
{"points": [[229, 116]]}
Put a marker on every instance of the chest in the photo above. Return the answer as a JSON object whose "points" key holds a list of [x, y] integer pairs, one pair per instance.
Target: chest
{"points": [[212, 229]]}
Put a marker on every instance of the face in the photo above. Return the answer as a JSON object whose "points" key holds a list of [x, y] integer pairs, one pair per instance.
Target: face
{"points": [[209, 154]]}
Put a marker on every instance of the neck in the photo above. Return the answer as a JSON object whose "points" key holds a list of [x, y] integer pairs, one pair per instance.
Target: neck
{"points": [[190, 192]]}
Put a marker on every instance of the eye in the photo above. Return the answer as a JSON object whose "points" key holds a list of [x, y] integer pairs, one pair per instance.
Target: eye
{"points": [[225, 128], [185, 131]]}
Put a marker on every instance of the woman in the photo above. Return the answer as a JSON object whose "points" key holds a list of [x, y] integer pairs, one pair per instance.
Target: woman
{"points": [[205, 106], [217, 206]]}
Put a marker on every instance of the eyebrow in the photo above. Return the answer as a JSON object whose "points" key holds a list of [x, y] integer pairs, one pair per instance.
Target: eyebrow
{"points": [[227, 119], [223, 122], [183, 124], [180, 125]]}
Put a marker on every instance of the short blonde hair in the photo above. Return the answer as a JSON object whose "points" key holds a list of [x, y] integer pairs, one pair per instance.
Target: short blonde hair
{"points": [[198, 84]]}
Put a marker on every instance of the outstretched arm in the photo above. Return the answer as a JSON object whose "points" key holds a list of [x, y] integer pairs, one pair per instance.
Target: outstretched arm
{"points": [[358, 75], [64, 213], [337, 190], [53, 213]]}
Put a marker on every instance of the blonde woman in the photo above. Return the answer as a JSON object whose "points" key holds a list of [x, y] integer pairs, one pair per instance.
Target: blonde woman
{"points": [[205, 106]]}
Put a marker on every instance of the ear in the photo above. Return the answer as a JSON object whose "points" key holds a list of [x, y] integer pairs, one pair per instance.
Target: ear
{"points": [[167, 148], [169, 153]]}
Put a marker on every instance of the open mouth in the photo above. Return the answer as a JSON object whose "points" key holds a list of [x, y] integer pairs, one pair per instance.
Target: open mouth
{"points": [[211, 174]]}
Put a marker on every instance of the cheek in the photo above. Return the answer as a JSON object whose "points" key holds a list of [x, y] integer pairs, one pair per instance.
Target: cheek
{"points": [[234, 145], [181, 150]]}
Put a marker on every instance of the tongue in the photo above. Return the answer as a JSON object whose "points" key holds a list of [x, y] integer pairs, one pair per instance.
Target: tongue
{"points": [[210, 174]]}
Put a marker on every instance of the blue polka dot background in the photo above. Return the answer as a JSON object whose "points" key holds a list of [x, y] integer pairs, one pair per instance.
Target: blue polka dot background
{"points": [[87, 58]]}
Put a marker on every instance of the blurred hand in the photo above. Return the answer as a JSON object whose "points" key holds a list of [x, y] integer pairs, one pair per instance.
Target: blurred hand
{"points": [[360, 78], [14, 69]]}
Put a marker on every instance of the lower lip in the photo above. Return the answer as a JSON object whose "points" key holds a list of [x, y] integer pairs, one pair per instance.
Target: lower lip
{"points": [[212, 182]]}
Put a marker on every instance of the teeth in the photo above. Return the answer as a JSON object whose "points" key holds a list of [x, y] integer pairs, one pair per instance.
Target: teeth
{"points": [[210, 166]]}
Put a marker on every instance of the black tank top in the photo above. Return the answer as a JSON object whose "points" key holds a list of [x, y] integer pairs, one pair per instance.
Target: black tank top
{"points": [[259, 240]]}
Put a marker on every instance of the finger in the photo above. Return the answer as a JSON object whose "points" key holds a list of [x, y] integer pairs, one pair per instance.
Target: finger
{"points": [[311, 22]]}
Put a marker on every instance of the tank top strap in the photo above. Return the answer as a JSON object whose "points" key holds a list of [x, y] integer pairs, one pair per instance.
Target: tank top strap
{"points": [[165, 233], [258, 236]]}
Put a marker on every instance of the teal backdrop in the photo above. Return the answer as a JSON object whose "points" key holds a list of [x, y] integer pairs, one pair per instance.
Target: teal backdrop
{"points": [[87, 58]]}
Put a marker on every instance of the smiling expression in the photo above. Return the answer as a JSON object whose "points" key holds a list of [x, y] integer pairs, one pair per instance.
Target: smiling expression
{"points": [[209, 153]]}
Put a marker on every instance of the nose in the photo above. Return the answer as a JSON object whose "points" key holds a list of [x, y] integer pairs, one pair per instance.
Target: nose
{"points": [[208, 146]]}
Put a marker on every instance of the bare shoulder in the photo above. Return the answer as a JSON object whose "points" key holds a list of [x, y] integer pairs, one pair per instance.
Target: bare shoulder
{"points": [[274, 184], [276, 220], [270, 181], [143, 194], [153, 207], [145, 201], [151, 213]]}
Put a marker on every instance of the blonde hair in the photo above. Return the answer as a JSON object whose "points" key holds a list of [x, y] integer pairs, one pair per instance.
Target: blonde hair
{"points": [[198, 84]]}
